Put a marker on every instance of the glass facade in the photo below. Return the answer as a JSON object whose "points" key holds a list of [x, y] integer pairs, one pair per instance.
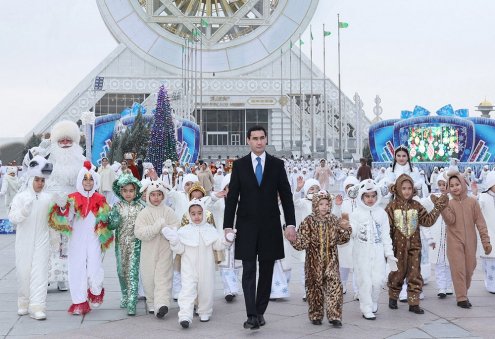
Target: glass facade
{"points": [[112, 103], [229, 127]]}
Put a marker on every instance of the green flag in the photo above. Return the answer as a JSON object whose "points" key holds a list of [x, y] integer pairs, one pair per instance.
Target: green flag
{"points": [[301, 42], [311, 34], [204, 23], [343, 24], [195, 32], [326, 33], [290, 44]]}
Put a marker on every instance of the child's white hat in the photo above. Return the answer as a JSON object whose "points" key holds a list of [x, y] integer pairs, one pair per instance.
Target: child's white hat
{"points": [[156, 185], [490, 181], [200, 203], [87, 171], [309, 183]]}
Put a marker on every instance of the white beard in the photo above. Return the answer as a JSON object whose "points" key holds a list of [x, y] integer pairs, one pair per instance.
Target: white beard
{"points": [[67, 162]]}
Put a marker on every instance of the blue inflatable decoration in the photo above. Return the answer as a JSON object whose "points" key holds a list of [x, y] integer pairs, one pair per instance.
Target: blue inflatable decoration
{"points": [[433, 140], [106, 125]]}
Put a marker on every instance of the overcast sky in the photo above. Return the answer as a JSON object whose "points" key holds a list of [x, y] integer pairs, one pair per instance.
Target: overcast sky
{"points": [[421, 52]]}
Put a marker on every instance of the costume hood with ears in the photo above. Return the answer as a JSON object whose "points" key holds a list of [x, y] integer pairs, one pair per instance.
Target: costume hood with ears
{"points": [[489, 181], [225, 181], [153, 186], [317, 197], [396, 188], [87, 170], [124, 180], [65, 128], [308, 184], [368, 186], [189, 178], [442, 177], [462, 179], [38, 166], [350, 181], [11, 170], [200, 203]]}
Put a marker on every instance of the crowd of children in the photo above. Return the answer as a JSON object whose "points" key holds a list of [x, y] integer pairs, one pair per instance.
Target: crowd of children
{"points": [[168, 239]]}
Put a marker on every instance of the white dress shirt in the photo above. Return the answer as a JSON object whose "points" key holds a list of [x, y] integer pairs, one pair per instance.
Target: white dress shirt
{"points": [[255, 162]]}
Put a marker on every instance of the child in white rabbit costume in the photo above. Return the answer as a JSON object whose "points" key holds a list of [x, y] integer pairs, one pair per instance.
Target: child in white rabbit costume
{"points": [[372, 244], [156, 254], [29, 212], [195, 243]]}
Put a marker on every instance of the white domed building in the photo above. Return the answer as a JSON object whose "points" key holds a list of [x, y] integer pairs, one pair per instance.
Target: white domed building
{"points": [[228, 64]]}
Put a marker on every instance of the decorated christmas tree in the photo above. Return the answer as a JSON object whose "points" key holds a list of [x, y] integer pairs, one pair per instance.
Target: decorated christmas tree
{"points": [[162, 143]]}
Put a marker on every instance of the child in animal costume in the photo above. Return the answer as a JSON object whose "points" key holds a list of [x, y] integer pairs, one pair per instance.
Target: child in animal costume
{"points": [[195, 192], [229, 267], [84, 217], [438, 249], [303, 196], [405, 215], [347, 205], [29, 212], [487, 204], [319, 234], [127, 246], [462, 216], [10, 185], [156, 254], [195, 243], [372, 245]]}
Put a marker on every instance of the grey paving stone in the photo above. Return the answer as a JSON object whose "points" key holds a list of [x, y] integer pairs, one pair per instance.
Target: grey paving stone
{"points": [[410, 334]]}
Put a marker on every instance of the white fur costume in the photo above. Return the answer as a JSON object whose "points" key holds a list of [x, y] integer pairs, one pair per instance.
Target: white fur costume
{"points": [[29, 212], [195, 244], [372, 244], [156, 254], [487, 204]]}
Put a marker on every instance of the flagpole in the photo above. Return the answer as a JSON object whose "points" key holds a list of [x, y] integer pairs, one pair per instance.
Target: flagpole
{"points": [[301, 101], [325, 117], [201, 94], [291, 97], [340, 94], [281, 94], [311, 101]]}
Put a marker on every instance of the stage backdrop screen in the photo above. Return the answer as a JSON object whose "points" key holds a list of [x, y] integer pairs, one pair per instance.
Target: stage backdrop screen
{"points": [[436, 143]]}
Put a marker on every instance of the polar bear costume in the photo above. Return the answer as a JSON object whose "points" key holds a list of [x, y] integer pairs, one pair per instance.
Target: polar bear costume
{"points": [[29, 212], [372, 244]]}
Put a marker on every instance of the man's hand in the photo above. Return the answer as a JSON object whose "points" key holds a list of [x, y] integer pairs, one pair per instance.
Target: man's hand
{"points": [[339, 200], [433, 245], [290, 233], [300, 183]]}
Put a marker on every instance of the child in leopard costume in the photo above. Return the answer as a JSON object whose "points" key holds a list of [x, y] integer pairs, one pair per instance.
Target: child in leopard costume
{"points": [[319, 234]]}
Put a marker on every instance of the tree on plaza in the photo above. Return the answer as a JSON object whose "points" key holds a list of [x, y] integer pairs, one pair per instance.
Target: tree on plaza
{"points": [[162, 143], [134, 139], [33, 141]]}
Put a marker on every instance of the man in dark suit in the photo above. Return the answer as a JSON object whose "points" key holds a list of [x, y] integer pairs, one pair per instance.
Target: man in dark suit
{"points": [[256, 182]]}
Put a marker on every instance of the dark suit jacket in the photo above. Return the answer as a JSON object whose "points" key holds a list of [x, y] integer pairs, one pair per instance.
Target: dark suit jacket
{"points": [[258, 217]]}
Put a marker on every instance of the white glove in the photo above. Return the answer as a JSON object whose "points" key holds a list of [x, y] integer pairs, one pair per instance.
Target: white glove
{"points": [[392, 263], [60, 199], [27, 208], [171, 235], [230, 237]]}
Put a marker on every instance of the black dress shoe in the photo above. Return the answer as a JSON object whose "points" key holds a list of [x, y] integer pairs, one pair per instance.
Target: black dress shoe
{"points": [[184, 324], [335, 323], [464, 304], [392, 304], [416, 309], [442, 295], [229, 297], [316, 322], [261, 320], [252, 323], [162, 311]]}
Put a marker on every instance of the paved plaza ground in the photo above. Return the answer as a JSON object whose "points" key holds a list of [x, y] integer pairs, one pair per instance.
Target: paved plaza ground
{"points": [[285, 319]]}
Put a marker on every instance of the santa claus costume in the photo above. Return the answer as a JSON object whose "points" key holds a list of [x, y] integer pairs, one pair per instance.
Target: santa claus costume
{"points": [[84, 218]]}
